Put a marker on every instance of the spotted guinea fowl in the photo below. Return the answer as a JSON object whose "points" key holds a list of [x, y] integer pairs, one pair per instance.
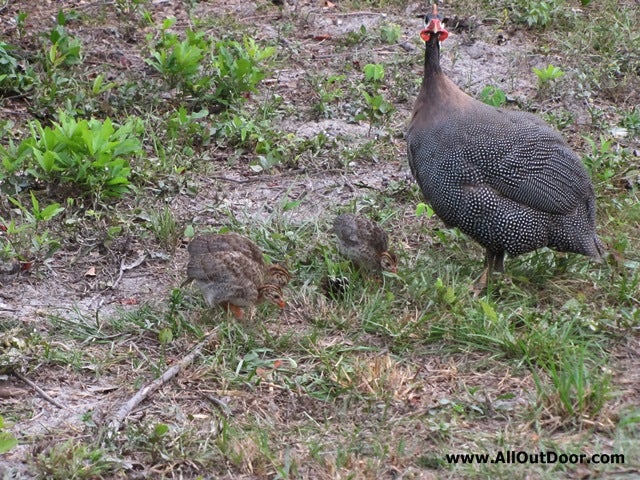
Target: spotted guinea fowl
{"points": [[505, 178], [211, 243], [232, 280], [364, 242]]}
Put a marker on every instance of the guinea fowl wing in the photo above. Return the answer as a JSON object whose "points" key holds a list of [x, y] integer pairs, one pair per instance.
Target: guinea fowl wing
{"points": [[522, 160], [211, 243], [537, 168], [226, 276]]}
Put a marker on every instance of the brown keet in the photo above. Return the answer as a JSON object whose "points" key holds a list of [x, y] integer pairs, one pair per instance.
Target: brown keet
{"points": [[211, 243], [365, 243], [503, 177], [232, 280]]}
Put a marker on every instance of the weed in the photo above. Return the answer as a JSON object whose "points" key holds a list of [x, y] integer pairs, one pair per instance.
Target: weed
{"points": [[238, 68], [378, 108], [72, 460], [560, 118], [329, 92], [65, 48], [538, 13], [390, 33], [547, 76], [89, 154], [180, 61], [7, 440], [165, 228], [492, 95], [356, 37], [580, 390], [631, 120], [13, 79], [269, 146], [28, 239], [602, 159]]}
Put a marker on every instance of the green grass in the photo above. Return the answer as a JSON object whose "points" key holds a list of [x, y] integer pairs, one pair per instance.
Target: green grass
{"points": [[384, 378]]}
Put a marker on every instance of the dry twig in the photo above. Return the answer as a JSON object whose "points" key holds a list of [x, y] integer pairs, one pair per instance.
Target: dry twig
{"points": [[123, 266], [38, 390], [148, 389]]}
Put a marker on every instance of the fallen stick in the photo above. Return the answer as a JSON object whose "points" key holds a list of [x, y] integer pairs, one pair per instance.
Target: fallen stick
{"points": [[148, 389], [38, 390], [123, 266]]}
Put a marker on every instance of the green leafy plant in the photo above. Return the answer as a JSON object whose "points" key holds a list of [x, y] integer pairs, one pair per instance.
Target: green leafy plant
{"points": [[7, 440], [26, 237], [424, 209], [259, 137], [65, 48], [90, 154], [390, 32], [238, 68], [561, 118], [548, 75], [378, 108], [37, 214], [12, 78], [355, 37], [492, 95], [184, 126], [538, 13], [72, 460], [631, 119], [329, 93], [180, 62], [602, 159]]}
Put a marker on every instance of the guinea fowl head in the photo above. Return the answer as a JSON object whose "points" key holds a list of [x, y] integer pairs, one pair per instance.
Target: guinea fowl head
{"points": [[433, 33], [433, 28], [389, 262], [438, 96], [272, 294]]}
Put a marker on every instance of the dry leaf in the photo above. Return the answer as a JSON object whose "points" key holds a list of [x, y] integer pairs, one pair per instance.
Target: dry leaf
{"points": [[129, 301]]}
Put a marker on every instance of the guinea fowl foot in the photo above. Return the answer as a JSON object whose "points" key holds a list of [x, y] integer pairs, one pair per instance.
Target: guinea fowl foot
{"points": [[481, 285], [494, 262], [236, 311]]}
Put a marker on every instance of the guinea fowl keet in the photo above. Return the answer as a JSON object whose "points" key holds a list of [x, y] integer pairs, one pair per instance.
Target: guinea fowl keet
{"points": [[364, 242], [212, 243], [232, 280], [505, 178]]}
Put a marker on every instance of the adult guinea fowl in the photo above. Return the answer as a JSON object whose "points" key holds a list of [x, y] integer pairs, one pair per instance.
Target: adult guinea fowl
{"points": [[505, 178]]}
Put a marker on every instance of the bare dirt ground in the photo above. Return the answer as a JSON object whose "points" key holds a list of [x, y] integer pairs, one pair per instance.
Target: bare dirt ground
{"points": [[86, 281]]}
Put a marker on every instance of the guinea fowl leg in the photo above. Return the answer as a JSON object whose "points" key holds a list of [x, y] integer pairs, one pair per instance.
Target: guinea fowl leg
{"points": [[494, 262], [236, 310]]}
